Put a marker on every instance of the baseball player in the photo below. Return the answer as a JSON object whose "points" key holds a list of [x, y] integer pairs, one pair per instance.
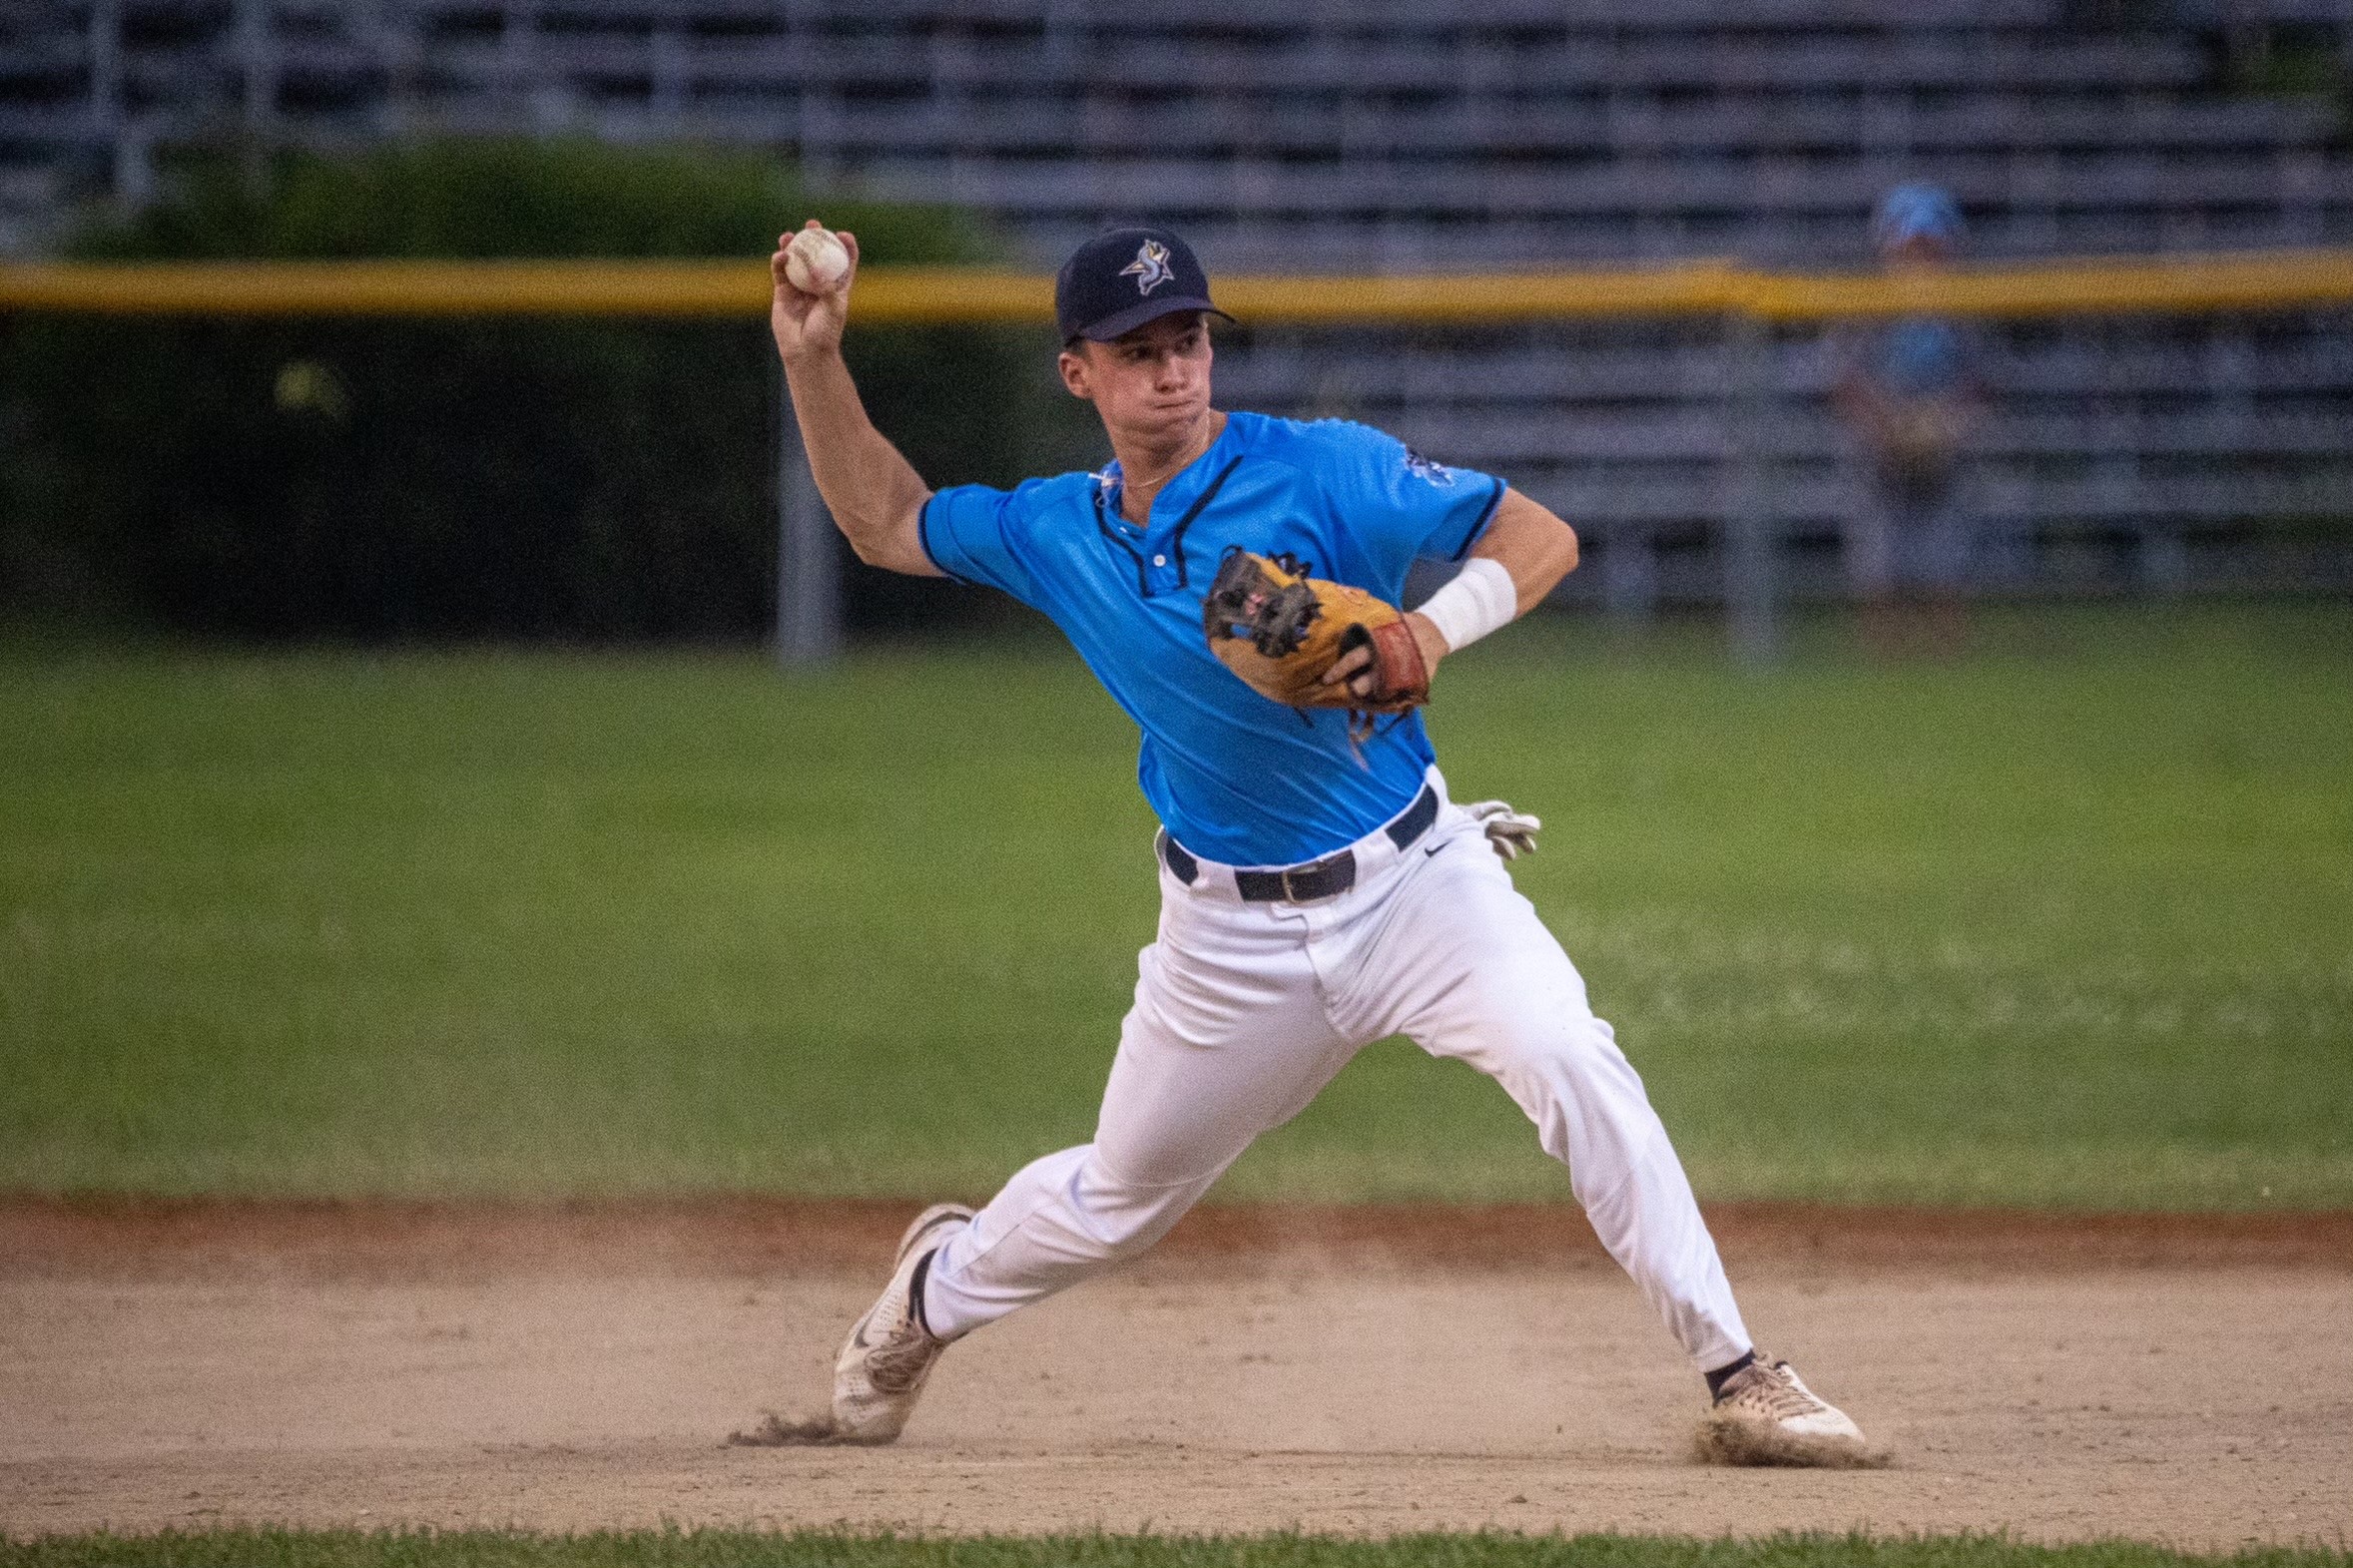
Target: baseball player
{"points": [[1320, 890], [1910, 394]]}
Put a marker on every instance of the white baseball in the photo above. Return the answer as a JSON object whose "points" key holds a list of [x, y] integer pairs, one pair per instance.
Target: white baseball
{"points": [[816, 262]]}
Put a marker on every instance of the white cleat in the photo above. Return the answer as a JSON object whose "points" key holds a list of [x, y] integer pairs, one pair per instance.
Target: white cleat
{"points": [[1767, 1415], [881, 1370]]}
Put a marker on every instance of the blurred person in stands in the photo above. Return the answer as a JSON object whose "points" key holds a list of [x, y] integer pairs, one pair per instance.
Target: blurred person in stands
{"points": [[1909, 391]]}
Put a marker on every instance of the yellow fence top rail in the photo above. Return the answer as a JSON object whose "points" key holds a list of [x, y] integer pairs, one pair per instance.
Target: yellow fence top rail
{"points": [[958, 296]]}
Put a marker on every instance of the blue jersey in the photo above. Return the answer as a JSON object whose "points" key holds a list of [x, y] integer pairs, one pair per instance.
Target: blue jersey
{"points": [[1920, 356], [1234, 776]]}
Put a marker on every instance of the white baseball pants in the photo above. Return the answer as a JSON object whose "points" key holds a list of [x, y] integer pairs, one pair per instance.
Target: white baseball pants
{"points": [[1243, 1011]]}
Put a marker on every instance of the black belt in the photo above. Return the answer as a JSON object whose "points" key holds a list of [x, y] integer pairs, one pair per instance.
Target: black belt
{"points": [[1335, 874]]}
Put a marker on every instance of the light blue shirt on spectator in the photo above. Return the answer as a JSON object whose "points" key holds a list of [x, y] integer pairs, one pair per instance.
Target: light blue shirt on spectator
{"points": [[1234, 776]]}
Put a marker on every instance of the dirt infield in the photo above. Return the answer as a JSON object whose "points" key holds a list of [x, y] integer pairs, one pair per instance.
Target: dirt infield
{"points": [[2180, 1378]]}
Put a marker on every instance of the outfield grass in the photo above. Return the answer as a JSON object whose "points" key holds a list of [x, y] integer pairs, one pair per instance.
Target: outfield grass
{"points": [[743, 1549], [2067, 922]]}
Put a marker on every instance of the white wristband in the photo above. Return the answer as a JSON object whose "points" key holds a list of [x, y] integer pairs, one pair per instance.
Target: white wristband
{"points": [[1482, 598]]}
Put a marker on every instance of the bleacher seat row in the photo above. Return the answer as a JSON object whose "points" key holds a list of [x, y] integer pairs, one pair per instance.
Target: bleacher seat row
{"points": [[1340, 135]]}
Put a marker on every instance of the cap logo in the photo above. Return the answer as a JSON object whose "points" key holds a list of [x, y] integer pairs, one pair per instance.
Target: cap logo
{"points": [[1150, 268]]}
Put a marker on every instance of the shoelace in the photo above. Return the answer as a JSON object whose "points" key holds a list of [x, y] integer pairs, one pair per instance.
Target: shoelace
{"points": [[1775, 1392], [897, 1365]]}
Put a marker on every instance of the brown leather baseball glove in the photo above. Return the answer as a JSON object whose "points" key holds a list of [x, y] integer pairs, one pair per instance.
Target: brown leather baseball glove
{"points": [[1280, 630]]}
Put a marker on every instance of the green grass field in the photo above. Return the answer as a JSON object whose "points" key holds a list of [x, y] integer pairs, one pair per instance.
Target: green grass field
{"points": [[741, 1549], [2067, 922]]}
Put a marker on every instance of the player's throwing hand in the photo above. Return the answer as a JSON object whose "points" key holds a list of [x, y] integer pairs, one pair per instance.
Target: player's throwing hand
{"points": [[808, 322]]}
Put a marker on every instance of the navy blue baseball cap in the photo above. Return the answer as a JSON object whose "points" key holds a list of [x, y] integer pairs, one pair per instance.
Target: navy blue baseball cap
{"points": [[1117, 281]]}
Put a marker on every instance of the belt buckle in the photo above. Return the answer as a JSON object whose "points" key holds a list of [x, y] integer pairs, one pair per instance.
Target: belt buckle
{"points": [[1314, 868]]}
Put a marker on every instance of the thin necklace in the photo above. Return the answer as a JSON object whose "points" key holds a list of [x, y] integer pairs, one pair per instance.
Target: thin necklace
{"points": [[1131, 484]]}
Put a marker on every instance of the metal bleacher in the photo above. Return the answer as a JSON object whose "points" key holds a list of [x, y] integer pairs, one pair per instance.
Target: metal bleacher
{"points": [[1329, 136], [2216, 453]]}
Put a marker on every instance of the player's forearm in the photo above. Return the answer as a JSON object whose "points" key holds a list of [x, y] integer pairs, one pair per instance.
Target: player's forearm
{"points": [[873, 493], [1524, 553], [1531, 543]]}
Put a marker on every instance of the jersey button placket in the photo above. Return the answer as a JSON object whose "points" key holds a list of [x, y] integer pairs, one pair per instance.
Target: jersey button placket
{"points": [[1162, 573]]}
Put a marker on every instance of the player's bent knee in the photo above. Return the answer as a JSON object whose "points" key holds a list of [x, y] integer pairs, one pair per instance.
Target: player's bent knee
{"points": [[1521, 1033], [1556, 1066]]}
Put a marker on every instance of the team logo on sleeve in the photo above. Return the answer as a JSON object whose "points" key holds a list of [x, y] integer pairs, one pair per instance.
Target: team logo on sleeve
{"points": [[1150, 268], [1422, 468]]}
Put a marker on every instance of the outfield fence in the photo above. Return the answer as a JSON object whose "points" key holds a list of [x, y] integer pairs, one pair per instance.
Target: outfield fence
{"points": [[933, 296], [1677, 414]]}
